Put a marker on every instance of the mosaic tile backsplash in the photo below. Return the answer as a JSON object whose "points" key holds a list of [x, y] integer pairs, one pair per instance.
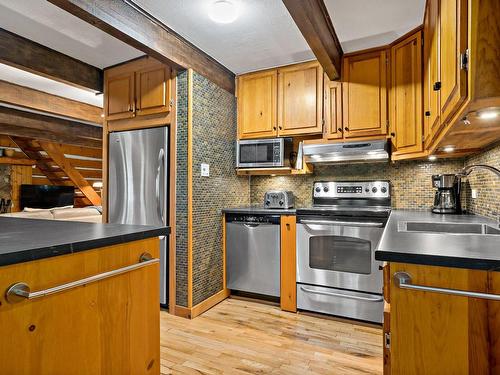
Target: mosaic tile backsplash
{"points": [[5, 187], [410, 180]]}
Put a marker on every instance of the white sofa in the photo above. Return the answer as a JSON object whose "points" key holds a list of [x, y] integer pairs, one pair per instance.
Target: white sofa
{"points": [[89, 214]]}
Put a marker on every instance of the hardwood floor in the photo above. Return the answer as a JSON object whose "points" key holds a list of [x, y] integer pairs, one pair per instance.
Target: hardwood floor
{"points": [[242, 337]]}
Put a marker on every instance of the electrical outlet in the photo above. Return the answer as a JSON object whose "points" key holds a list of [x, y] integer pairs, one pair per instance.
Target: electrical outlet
{"points": [[474, 193], [205, 170]]}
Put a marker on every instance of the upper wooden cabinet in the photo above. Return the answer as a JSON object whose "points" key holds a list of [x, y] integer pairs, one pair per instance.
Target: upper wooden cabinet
{"points": [[406, 96], [257, 108], [452, 82], [364, 106], [152, 89], [333, 109], [300, 99], [120, 96], [281, 102], [431, 71], [140, 87]]}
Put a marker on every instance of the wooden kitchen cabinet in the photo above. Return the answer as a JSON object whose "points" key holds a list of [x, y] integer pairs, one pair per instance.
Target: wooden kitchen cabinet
{"points": [[333, 109], [300, 99], [434, 333], [137, 88], [365, 88], [257, 104], [106, 327], [431, 110], [119, 92], [452, 82], [406, 96], [153, 89], [288, 263]]}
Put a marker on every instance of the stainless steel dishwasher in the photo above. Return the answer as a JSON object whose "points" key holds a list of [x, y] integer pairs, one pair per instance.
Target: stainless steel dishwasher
{"points": [[253, 253]]}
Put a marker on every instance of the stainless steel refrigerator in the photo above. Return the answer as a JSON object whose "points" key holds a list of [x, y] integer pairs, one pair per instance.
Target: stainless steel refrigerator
{"points": [[138, 185]]}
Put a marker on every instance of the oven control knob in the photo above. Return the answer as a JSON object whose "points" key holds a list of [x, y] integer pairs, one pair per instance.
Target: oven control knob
{"points": [[367, 190], [268, 203], [384, 190], [282, 203], [325, 189], [374, 190], [318, 189]]}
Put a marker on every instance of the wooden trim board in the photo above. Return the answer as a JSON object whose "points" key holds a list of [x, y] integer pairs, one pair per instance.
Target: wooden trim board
{"points": [[190, 188], [197, 310], [288, 289], [173, 194]]}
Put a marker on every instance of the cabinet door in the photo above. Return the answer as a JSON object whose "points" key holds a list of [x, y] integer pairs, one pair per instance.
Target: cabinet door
{"points": [[300, 99], [431, 71], [365, 95], [257, 95], [153, 90], [120, 96], [333, 109], [111, 326], [433, 333], [453, 42], [406, 95]]}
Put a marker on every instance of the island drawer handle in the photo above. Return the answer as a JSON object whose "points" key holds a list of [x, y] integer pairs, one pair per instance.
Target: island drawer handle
{"points": [[21, 291], [403, 280]]}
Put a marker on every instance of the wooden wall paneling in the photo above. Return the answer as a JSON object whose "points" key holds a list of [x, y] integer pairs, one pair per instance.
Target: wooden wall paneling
{"points": [[190, 189], [26, 97], [142, 31], [19, 175], [300, 99], [108, 327], [313, 21], [257, 104], [438, 333], [56, 154], [33, 57], [288, 263]]}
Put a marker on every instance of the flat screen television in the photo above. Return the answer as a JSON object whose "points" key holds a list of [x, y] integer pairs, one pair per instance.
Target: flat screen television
{"points": [[46, 196]]}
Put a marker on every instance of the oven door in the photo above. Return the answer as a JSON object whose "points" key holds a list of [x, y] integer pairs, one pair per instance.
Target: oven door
{"points": [[339, 254]]}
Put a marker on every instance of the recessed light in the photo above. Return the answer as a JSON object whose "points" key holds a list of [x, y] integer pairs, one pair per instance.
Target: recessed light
{"points": [[97, 185], [432, 157], [448, 148], [102, 115], [487, 115], [223, 11]]}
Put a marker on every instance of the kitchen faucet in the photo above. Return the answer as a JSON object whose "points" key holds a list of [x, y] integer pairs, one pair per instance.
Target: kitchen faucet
{"points": [[468, 170]]}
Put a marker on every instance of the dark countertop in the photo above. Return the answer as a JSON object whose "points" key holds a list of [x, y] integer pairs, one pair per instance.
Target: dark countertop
{"points": [[24, 240], [258, 210], [473, 251]]}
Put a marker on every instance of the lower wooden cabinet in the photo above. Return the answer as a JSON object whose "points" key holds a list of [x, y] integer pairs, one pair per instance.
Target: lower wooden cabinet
{"points": [[439, 333], [110, 326]]}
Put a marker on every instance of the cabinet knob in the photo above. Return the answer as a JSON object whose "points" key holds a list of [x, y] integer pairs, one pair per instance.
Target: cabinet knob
{"points": [[339, 129], [437, 86], [260, 113], [427, 113], [274, 127], [287, 226], [346, 129], [281, 128], [393, 134]]}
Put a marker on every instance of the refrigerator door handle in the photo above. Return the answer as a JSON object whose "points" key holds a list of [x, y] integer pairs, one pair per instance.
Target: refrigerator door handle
{"points": [[160, 168]]}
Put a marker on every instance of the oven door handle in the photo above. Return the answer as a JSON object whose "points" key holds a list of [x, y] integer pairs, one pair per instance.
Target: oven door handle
{"points": [[333, 294], [343, 223]]}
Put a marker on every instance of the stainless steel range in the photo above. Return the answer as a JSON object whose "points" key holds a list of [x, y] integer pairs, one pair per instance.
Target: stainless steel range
{"points": [[336, 240]]}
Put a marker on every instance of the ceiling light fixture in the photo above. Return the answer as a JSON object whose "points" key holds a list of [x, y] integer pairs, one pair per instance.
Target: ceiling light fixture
{"points": [[487, 115], [432, 157], [223, 11], [449, 149]]}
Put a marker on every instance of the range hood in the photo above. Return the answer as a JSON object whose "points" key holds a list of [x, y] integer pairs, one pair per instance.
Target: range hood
{"points": [[346, 152]]}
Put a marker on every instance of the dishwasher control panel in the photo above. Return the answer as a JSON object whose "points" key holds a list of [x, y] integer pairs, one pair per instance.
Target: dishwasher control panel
{"points": [[252, 218]]}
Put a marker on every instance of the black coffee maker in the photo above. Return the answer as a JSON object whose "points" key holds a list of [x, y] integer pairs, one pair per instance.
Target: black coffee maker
{"points": [[447, 197]]}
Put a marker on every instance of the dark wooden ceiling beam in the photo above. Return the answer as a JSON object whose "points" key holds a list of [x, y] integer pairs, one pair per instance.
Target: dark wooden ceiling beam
{"points": [[313, 21], [134, 26], [29, 98], [14, 122], [25, 54]]}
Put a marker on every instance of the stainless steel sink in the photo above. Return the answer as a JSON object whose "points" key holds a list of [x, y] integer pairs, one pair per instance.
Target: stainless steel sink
{"points": [[455, 228]]}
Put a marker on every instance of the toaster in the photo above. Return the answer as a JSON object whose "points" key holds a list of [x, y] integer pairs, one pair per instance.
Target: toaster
{"points": [[279, 199]]}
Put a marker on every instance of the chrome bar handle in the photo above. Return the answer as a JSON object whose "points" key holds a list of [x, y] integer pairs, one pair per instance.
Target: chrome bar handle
{"points": [[333, 294], [343, 223], [21, 291], [403, 281]]}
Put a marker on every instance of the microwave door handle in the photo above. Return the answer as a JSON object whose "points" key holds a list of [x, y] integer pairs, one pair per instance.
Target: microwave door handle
{"points": [[344, 223]]}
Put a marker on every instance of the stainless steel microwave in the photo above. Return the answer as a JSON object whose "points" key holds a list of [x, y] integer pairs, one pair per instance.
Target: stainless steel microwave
{"points": [[264, 153]]}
